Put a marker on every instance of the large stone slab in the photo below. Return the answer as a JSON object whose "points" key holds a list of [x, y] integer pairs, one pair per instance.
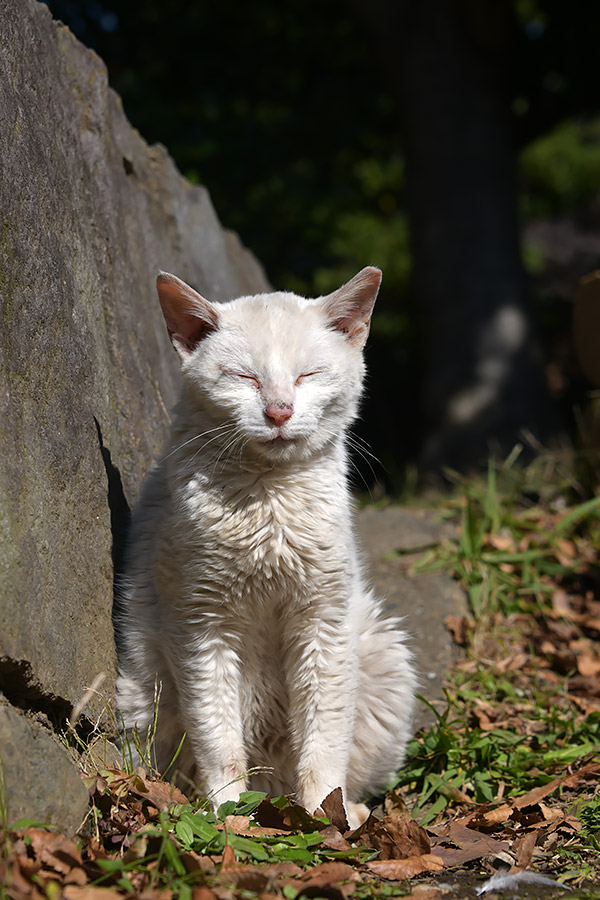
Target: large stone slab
{"points": [[40, 782], [423, 600], [90, 213]]}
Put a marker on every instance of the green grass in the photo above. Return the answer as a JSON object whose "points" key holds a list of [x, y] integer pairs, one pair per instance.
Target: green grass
{"points": [[514, 548], [455, 759], [163, 849], [511, 551]]}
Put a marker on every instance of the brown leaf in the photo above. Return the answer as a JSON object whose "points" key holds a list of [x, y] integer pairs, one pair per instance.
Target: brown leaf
{"points": [[397, 869], [331, 839], [468, 844], [229, 861], [19, 876], [333, 807], [394, 805], [585, 684], [567, 548], [523, 848], [571, 823], [500, 541], [458, 626], [195, 862], [328, 872], [296, 817], [398, 838], [76, 876], [54, 850], [324, 877], [360, 834], [269, 816], [551, 815], [237, 824], [283, 869], [89, 892], [202, 892], [492, 817], [560, 603], [248, 878], [588, 662], [160, 793], [425, 892], [533, 797]]}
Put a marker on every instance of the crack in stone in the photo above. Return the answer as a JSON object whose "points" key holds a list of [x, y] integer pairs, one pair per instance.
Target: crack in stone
{"points": [[21, 689]]}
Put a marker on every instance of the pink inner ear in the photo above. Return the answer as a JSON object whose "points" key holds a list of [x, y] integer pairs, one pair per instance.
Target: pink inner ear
{"points": [[189, 317], [349, 308]]}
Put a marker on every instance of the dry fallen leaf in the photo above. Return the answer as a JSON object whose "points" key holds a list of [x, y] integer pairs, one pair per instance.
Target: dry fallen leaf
{"points": [[500, 541], [397, 838], [229, 861], [523, 848], [331, 839], [458, 626], [159, 793], [588, 662], [397, 869], [89, 892], [394, 805], [425, 892], [333, 807], [468, 844], [53, 850], [202, 892]]}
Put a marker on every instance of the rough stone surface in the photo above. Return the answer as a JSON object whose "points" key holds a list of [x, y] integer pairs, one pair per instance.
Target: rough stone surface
{"points": [[424, 600], [90, 213], [40, 781]]}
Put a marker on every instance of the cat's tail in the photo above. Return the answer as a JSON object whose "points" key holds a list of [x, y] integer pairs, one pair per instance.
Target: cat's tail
{"points": [[386, 698]]}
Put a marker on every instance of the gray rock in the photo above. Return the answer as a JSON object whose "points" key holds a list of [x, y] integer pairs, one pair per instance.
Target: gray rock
{"points": [[90, 213], [40, 781], [424, 600]]}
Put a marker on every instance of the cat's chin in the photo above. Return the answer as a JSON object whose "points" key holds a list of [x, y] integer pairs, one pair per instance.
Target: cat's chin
{"points": [[282, 448]]}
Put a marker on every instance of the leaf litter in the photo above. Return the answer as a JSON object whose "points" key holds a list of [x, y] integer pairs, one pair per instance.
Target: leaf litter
{"points": [[508, 776]]}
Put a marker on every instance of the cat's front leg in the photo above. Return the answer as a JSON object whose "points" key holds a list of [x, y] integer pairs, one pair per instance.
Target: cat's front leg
{"points": [[322, 683], [207, 674]]}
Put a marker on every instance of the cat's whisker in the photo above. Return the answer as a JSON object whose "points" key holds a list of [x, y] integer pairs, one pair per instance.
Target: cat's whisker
{"points": [[242, 447], [364, 454], [237, 434], [197, 437], [362, 477], [359, 443], [224, 435]]}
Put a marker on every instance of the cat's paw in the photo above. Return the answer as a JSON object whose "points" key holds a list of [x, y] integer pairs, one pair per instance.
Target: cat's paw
{"points": [[357, 814]]}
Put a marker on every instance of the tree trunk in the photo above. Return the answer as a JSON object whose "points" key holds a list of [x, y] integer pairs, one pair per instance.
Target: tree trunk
{"points": [[483, 378]]}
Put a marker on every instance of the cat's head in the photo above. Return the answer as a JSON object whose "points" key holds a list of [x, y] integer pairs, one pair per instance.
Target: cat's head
{"points": [[276, 375]]}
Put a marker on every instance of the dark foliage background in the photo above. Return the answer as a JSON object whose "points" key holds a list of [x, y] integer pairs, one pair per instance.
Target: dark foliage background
{"points": [[295, 117]]}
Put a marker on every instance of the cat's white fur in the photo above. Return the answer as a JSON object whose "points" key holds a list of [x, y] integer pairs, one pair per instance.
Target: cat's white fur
{"points": [[244, 592]]}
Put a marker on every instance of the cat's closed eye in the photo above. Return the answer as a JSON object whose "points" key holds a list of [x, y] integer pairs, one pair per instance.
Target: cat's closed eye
{"points": [[306, 375], [245, 377]]}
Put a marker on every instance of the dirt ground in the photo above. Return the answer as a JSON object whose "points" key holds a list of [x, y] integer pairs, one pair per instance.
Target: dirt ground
{"points": [[393, 538]]}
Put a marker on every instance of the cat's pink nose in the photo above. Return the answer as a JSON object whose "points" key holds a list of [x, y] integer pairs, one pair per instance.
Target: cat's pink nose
{"points": [[279, 413]]}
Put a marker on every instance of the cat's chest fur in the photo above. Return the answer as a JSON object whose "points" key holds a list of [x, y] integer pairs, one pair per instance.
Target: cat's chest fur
{"points": [[267, 539]]}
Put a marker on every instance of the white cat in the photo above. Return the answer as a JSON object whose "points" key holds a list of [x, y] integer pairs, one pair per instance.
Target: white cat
{"points": [[244, 593]]}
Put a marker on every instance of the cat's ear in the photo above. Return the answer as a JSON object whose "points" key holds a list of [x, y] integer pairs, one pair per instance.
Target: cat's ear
{"points": [[189, 316], [349, 308]]}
